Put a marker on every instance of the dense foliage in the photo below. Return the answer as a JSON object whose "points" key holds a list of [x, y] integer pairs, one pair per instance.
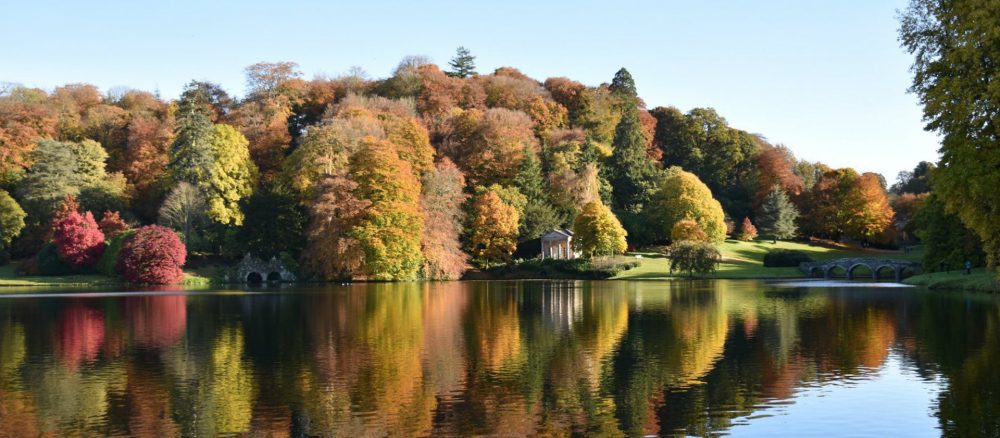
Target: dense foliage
{"points": [[152, 255], [694, 257], [417, 175], [78, 238], [955, 46], [597, 232], [683, 196], [11, 219]]}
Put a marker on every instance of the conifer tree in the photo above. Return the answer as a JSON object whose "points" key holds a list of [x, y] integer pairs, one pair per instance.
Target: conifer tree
{"points": [[463, 64], [777, 215], [632, 174], [623, 84]]}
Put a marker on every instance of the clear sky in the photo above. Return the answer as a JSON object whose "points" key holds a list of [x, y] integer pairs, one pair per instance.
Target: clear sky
{"points": [[828, 79]]}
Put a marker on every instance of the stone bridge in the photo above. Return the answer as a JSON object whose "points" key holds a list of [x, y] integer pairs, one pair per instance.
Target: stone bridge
{"points": [[254, 270], [849, 264]]}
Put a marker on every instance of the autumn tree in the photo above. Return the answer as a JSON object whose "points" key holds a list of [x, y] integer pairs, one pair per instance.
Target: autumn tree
{"points": [[215, 159], [871, 213], [185, 210], [683, 196], [748, 231], [597, 232], [152, 255], [775, 167], [390, 229], [463, 64], [954, 48], [694, 257], [689, 230], [494, 228], [489, 146], [111, 224], [441, 203], [272, 91], [703, 143], [60, 169], [331, 252], [777, 215], [25, 117], [79, 240], [11, 219]]}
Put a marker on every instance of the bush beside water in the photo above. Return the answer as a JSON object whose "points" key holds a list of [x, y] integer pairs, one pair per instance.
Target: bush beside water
{"points": [[785, 258]]}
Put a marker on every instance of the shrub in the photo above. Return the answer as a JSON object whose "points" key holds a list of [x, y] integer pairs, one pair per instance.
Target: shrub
{"points": [[785, 258], [112, 224], [687, 229], [748, 232], [79, 240], [152, 255], [108, 263], [48, 262], [694, 257]]}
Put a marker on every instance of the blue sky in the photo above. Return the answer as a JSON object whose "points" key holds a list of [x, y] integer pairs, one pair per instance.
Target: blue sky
{"points": [[828, 79]]}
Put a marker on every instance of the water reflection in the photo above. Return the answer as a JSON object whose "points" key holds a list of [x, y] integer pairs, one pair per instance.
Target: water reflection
{"points": [[502, 358]]}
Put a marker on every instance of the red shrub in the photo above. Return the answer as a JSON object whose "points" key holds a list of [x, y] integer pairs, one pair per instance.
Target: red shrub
{"points": [[112, 224], [79, 241], [152, 255]]}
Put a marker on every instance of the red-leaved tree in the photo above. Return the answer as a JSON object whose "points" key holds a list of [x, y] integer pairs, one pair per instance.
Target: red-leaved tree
{"points": [[152, 255], [79, 241], [112, 224]]}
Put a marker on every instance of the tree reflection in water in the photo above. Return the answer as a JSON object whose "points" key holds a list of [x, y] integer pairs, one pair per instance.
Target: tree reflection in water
{"points": [[454, 358]]}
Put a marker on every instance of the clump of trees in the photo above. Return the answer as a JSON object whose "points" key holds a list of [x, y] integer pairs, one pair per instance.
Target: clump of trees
{"points": [[422, 174], [692, 257]]}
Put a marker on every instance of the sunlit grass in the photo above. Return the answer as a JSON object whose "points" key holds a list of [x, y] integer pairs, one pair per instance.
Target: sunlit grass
{"points": [[980, 280], [746, 259]]}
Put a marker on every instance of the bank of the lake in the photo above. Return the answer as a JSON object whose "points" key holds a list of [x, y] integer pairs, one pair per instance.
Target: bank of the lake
{"points": [[745, 260], [980, 280], [740, 260]]}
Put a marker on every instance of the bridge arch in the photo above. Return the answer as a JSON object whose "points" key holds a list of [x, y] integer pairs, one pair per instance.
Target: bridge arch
{"points": [[274, 277], [255, 278], [836, 269], [851, 273]]}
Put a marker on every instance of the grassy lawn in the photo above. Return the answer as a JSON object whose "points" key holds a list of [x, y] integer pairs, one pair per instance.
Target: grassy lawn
{"points": [[746, 260], [192, 277], [981, 279], [9, 278]]}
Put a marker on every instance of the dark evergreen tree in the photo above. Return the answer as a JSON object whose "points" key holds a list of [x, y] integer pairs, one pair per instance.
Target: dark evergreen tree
{"points": [[777, 216], [623, 84], [632, 174], [463, 64], [529, 180], [274, 224], [191, 152], [947, 242]]}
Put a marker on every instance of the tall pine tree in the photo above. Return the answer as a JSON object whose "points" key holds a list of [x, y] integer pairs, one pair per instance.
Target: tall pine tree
{"points": [[777, 215], [631, 173], [463, 64]]}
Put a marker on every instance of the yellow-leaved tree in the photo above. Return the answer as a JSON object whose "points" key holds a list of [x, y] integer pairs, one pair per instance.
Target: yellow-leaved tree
{"points": [[494, 228], [683, 196], [598, 232]]}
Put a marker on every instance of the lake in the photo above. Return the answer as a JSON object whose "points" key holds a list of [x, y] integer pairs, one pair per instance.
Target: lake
{"points": [[745, 358]]}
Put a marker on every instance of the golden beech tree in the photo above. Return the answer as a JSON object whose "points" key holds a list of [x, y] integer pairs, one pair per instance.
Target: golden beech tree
{"points": [[871, 214], [494, 228], [597, 232], [489, 145], [442, 201], [391, 227], [687, 229]]}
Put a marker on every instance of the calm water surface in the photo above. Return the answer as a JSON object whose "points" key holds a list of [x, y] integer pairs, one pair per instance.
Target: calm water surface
{"points": [[741, 358]]}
